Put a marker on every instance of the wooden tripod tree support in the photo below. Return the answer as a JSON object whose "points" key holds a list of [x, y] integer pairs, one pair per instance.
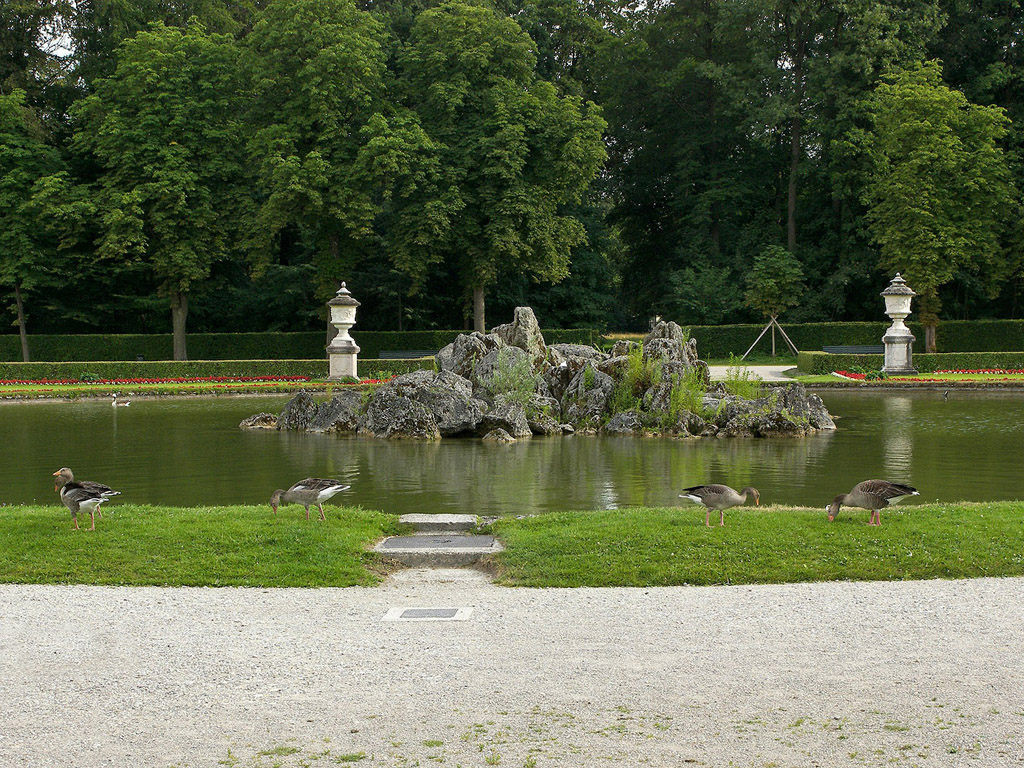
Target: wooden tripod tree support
{"points": [[773, 324]]}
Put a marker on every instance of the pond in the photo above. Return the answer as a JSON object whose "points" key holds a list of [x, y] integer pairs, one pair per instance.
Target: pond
{"points": [[191, 452]]}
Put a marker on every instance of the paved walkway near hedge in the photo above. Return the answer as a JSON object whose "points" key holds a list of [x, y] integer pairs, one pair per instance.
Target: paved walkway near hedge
{"points": [[763, 372]]}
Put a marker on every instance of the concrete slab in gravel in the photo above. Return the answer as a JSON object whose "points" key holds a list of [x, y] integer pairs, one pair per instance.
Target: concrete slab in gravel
{"points": [[438, 550], [440, 523]]}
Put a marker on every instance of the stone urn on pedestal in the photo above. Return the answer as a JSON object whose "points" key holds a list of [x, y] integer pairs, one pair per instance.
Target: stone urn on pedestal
{"points": [[342, 352], [898, 339]]}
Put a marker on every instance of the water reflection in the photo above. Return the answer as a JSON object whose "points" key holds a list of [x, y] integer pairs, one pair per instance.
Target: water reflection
{"points": [[897, 435], [191, 452]]}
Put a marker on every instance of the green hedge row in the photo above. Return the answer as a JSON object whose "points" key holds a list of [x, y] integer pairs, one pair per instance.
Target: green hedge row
{"points": [[170, 369], [238, 346], [824, 363], [951, 336]]}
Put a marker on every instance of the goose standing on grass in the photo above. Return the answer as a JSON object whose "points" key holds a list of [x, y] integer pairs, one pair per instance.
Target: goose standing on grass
{"points": [[308, 492], [871, 495], [82, 496], [720, 497]]}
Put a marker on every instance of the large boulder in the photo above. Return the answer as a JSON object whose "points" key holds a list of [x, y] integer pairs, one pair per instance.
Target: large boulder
{"points": [[447, 396], [298, 412], [623, 347], [578, 350], [498, 436], [542, 414], [461, 356], [627, 423], [490, 365], [795, 399], [557, 378], [586, 398], [393, 415], [340, 414], [665, 330], [259, 421], [524, 333], [508, 415]]}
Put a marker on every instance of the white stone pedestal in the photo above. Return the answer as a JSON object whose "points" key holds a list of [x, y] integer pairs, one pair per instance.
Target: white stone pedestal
{"points": [[898, 342]]}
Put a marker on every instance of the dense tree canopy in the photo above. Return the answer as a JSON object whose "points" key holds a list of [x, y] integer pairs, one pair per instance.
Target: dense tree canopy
{"points": [[940, 194], [166, 130], [602, 160]]}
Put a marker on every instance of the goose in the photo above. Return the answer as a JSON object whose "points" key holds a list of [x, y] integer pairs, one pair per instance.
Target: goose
{"points": [[720, 497], [82, 496], [65, 476], [871, 495], [79, 499], [308, 492], [120, 403]]}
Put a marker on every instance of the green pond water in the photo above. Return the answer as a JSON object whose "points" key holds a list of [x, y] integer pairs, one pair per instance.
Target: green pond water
{"points": [[191, 452]]}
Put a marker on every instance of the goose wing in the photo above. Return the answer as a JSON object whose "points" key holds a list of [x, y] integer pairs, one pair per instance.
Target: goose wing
{"points": [[314, 484], [885, 491], [103, 490], [704, 491], [75, 495]]}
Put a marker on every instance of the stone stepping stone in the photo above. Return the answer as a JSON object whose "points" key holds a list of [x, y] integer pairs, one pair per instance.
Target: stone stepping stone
{"points": [[438, 550], [440, 523]]}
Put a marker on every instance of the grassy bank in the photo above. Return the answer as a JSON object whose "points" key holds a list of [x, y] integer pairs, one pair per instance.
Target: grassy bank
{"points": [[192, 546], [652, 547], [249, 546]]}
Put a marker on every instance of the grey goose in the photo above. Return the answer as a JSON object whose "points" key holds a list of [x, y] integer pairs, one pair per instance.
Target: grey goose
{"points": [[720, 497], [872, 495], [84, 496], [312, 490]]}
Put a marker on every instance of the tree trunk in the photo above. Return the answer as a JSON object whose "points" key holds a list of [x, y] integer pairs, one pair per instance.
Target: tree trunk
{"points": [[179, 313], [21, 323], [929, 338], [478, 309]]}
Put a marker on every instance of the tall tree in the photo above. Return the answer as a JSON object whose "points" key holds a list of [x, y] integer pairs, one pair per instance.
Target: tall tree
{"points": [[27, 163], [166, 129], [319, 70], [513, 153], [940, 196]]}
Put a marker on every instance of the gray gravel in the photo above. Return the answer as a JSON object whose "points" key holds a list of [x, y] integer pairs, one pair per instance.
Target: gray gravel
{"points": [[913, 673]]}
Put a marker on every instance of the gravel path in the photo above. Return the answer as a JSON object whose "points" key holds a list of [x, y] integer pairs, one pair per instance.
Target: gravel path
{"points": [[836, 674], [770, 373]]}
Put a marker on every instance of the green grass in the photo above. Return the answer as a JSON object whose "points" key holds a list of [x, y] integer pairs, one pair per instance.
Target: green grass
{"points": [[192, 546], [652, 547]]}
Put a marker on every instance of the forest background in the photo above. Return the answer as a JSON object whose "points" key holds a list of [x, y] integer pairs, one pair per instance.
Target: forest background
{"points": [[226, 163]]}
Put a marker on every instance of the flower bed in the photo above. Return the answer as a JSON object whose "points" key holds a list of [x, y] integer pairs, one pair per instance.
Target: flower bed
{"points": [[178, 380]]}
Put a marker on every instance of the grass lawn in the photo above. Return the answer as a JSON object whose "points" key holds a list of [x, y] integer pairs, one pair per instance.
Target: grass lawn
{"points": [[249, 546], [192, 546], [654, 547]]}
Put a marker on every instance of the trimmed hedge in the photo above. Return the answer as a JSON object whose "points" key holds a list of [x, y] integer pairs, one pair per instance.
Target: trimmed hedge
{"points": [[170, 369], [238, 346], [816, 363], [951, 336]]}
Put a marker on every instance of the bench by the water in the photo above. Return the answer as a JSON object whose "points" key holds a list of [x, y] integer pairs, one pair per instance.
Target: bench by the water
{"points": [[855, 349], [406, 354]]}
